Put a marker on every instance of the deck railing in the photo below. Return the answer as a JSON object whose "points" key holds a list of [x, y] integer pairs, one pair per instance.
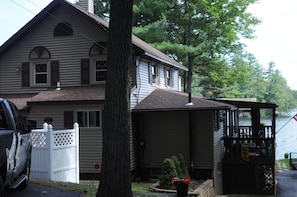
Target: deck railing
{"points": [[248, 146]]}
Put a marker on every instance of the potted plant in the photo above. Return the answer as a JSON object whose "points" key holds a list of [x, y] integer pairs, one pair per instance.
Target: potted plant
{"points": [[182, 186]]}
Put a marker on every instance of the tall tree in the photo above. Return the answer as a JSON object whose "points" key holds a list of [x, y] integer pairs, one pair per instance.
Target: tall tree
{"points": [[115, 179], [198, 31]]}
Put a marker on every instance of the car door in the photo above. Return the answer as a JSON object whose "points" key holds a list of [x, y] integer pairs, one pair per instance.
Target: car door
{"points": [[23, 141]]}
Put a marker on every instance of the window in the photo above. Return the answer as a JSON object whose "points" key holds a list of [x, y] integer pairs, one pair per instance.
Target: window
{"points": [[88, 118], [168, 77], [38, 70], [154, 74], [40, 73], [100, 70], [98, 53], [63, 29]]}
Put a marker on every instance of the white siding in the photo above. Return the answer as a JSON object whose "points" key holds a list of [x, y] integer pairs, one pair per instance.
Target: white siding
{"points": [[144, 88]]}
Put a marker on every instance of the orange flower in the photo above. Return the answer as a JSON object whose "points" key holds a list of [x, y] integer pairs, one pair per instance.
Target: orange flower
{"points": [[187, 180], [184, 180]]}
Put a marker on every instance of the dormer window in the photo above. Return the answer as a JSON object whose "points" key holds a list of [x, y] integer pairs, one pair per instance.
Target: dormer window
{"points": [[63, 29]]}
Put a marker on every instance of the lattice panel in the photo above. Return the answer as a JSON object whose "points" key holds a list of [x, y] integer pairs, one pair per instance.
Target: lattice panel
{"points": [[38, 139], [265, 176], [63, 139]]}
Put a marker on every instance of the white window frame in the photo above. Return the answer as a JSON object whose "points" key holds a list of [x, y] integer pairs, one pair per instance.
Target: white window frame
{"points": [[87, 114], [94, 70], [154, 73], [33, 71], [168, 77]]}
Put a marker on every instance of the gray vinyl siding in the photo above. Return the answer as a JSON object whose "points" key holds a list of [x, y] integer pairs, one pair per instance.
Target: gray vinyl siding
{"points": [[68, 50], [165, 134], [203, 139]]}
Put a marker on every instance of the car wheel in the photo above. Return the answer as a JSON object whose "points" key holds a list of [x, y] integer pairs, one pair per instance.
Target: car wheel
{"points": [[1, 187]]}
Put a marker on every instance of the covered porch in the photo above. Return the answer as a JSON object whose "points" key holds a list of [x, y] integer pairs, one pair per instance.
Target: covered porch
{"points": [[249, 149]]}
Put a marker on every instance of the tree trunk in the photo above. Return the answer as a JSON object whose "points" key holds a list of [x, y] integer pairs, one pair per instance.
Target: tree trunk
{"points": [[115, 178]]}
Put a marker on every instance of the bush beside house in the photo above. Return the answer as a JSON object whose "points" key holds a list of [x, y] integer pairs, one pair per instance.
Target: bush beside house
{"points": [[173, 167]]}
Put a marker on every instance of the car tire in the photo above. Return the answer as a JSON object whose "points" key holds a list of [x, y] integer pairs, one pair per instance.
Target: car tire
{"points": [[1, 187]]}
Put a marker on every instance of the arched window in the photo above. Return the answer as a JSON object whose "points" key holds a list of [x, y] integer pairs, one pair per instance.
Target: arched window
{"points": [[99, 48], [63, 29], [39, 67], [98, 52], [39, 53]]}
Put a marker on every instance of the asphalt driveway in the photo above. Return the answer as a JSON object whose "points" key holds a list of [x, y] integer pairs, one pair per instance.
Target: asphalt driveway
{"points": [[35, 190], [287, 183]]}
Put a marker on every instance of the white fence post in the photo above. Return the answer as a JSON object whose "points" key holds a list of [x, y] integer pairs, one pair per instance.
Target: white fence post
{"points": [[51, 158], [76, 131]]}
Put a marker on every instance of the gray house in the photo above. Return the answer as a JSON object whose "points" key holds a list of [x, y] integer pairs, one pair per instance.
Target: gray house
{"points": [[54, 70]]}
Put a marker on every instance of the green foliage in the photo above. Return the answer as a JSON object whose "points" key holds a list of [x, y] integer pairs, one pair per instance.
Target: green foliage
{"points": [[184, 169], [210, 32], [175, 166], [167, 173]]}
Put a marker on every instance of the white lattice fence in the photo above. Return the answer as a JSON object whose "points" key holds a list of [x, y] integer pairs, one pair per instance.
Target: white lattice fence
{"points": [[55, 154]]}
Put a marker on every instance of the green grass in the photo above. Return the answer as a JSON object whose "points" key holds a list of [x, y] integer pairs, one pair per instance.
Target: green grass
{"points": [[282, 164], [89, 188]]}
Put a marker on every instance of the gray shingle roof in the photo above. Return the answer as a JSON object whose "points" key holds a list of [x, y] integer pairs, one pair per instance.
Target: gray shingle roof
{"points": [[89, 93], [164, 100]]}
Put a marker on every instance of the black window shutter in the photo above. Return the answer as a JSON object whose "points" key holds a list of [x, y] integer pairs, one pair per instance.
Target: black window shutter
{"points": [[54, 72], [85, 71], [25, 74], [68, 119]]}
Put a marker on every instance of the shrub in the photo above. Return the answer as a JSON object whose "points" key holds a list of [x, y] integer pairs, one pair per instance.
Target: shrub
{"points": [[167, 173], [184, 169], [177, 163], [175, 166]]}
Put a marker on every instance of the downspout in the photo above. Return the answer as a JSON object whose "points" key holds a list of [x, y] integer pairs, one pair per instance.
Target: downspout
{"points": [[191, 142]]}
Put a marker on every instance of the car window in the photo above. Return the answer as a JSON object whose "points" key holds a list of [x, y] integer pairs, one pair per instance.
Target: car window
{"points": [[2, 120], [17, 118]]}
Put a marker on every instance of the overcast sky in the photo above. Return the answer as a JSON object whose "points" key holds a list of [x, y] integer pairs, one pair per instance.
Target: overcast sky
{"points": [[276, 36]]}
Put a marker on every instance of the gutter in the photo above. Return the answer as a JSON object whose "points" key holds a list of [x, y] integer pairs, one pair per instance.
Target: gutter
{"points": [[165, 61]]}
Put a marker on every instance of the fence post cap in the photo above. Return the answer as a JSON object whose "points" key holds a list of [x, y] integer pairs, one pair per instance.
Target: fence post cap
{"points": [[45, 125], [75, 125]]}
